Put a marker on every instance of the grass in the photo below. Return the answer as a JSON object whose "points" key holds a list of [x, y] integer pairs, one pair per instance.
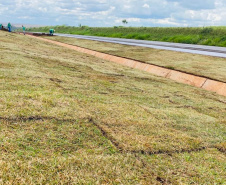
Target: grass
{"points": [[212, 36], [210, 67], [71, 118]]}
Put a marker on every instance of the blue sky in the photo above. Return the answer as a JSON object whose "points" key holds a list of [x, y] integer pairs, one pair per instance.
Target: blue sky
{"points": [[112, 12]]}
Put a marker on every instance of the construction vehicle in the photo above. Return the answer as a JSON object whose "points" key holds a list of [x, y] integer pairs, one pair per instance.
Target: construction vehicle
{"points": [[51, 32], [2, 28]]}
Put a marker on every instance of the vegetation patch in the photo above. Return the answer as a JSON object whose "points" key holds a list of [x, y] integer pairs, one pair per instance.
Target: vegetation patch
{"points": [[75, 119], [210, 67], [212, 36]]}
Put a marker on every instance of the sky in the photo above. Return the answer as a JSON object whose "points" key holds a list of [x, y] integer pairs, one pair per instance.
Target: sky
{"points": [[164, 13]]}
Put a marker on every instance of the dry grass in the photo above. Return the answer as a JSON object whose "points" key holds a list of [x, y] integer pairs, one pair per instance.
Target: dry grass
{"points": [[66, 117], [211, 67]]}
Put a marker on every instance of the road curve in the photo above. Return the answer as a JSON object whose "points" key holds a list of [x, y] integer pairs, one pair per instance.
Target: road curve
{"points": [[187, 48]]}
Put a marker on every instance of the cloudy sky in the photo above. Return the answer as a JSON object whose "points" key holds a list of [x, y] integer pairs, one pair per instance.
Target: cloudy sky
{"points": [[112, 12]]}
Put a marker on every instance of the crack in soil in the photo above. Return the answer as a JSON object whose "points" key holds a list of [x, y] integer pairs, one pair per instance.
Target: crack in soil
{"points": [[144, 152], [35, 118], [55, 80], [107, 135]]}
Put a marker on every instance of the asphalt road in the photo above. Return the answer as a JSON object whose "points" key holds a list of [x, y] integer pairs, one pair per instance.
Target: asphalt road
{"points": [[187, 48]]}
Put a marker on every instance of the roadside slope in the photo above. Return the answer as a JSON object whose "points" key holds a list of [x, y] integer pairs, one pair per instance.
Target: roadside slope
{"points": [[210, 67], [73, 118]]}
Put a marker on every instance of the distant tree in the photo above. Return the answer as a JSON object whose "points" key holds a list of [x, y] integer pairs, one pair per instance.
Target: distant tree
{"points": [[80, 25], [124, 21]]}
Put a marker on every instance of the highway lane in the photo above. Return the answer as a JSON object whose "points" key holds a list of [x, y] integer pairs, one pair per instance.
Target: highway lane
{"points": [[187, 48]]}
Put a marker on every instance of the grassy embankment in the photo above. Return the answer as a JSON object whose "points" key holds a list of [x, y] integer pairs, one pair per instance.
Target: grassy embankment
{"points": [[210, 67], [66, 117], [213, 36]]}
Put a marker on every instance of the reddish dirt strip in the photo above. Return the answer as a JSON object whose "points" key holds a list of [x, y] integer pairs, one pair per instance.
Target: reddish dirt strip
{"points": [[201, 82]]}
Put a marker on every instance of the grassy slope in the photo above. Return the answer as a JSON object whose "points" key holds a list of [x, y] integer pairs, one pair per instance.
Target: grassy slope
{"points": [[213, 36], [70, 117], [211, 67]]}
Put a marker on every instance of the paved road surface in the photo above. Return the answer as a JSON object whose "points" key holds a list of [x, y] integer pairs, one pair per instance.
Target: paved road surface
{"points": [[188, 48]]}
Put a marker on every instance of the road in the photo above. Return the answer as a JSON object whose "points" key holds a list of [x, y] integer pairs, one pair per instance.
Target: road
{"points": [[187, 48]]}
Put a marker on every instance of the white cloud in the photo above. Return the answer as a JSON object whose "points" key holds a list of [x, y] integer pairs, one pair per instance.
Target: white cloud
{"points": [[111, 12], [146, 6]]}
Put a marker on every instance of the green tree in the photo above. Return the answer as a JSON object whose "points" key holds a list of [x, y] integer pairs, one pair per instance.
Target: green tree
{"points": [[124, 21]]}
